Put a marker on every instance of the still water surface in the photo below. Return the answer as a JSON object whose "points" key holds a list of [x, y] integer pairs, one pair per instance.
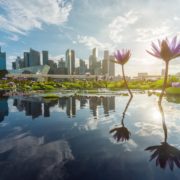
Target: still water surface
{"points": [[89, 138]]}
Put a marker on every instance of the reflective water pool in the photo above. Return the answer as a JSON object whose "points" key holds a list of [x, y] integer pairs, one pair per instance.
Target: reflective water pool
{"points": [[89, 137]]}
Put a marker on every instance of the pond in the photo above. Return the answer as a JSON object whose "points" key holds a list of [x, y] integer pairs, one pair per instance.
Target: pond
{"points": [[89, 137]]}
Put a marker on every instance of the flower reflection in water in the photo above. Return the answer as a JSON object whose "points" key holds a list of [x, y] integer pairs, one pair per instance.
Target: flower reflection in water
{"points": [[122, 133], [164, 153]]}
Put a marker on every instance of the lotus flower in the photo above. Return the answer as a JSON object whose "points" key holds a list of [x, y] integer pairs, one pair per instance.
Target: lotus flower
{"points": [[121, 134], [121, 58], [166, 50]]}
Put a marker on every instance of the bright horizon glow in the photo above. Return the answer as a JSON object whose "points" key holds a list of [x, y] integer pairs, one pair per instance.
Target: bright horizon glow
{"points": [[58, 25]]}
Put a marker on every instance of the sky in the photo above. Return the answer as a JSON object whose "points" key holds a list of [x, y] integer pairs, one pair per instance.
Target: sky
{"points": [[57, 25]]}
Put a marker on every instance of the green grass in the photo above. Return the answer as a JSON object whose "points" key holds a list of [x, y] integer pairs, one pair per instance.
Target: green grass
{"points": [[173, 91]]}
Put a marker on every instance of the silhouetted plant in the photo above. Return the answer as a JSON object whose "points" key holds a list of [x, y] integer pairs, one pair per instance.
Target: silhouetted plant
{"points": [[165, 154], [122, 133]]}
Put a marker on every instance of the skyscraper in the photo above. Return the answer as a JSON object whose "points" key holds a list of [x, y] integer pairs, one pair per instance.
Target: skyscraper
{"points": [[95, 52], [45, 57], [34, 58], [111, 66], [70, 61], [93, 66], [19, 63], [2, 60], [108, 67], [105, 63], [26, 59], [82, 67]]}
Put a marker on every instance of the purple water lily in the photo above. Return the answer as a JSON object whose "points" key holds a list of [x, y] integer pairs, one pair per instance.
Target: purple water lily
{"points": [[122, 56], [166, 50]]}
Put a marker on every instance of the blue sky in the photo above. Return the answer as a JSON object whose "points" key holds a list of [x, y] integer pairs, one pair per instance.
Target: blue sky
{"points": [[57, 25]]}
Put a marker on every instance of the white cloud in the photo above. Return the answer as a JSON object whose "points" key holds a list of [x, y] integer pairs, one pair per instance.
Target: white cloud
{"points": [[149, 34], [92, 42], [120, 24], [14, 37], [23, 16]]}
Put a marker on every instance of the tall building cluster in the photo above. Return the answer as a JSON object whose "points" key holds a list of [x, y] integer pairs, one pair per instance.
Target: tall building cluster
{"points": [[69, 105], [104, 67], [30, 59], [67, 65]]}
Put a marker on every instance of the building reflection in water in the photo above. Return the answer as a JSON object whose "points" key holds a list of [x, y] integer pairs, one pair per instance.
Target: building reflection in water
{"points": [[48, 105], [34, 108], [107, 102], [4, 111], [121, 133], [164, 154], [37, 108], [71, 106], [94, 101]]}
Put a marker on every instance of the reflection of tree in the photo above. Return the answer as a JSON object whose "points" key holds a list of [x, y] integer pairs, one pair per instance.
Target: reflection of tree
{"points": [[165, 153], [122, 133]]}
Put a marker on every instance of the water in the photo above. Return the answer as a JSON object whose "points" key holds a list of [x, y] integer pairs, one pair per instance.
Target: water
{"points": [[69, 138]]}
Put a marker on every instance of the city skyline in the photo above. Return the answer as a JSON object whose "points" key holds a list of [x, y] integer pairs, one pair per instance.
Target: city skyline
{"points": [[106, 25]]}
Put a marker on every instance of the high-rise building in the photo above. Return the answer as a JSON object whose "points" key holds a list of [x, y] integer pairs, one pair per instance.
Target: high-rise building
{"points": [[105, 63], [19, 62], [93, 66], [95, 52], [70, 61], [111, 66], [26, 59], [82, 67], [2, 60], [34, 58], [108, 67], [45, 57], [13, 65], [53, 67], [61, 69], [61, 63]]}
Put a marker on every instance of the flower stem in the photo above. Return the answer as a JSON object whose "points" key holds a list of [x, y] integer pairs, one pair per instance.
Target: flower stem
{"points": [[165, 82], [125, 81], [163, 121], [124, 112]]}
